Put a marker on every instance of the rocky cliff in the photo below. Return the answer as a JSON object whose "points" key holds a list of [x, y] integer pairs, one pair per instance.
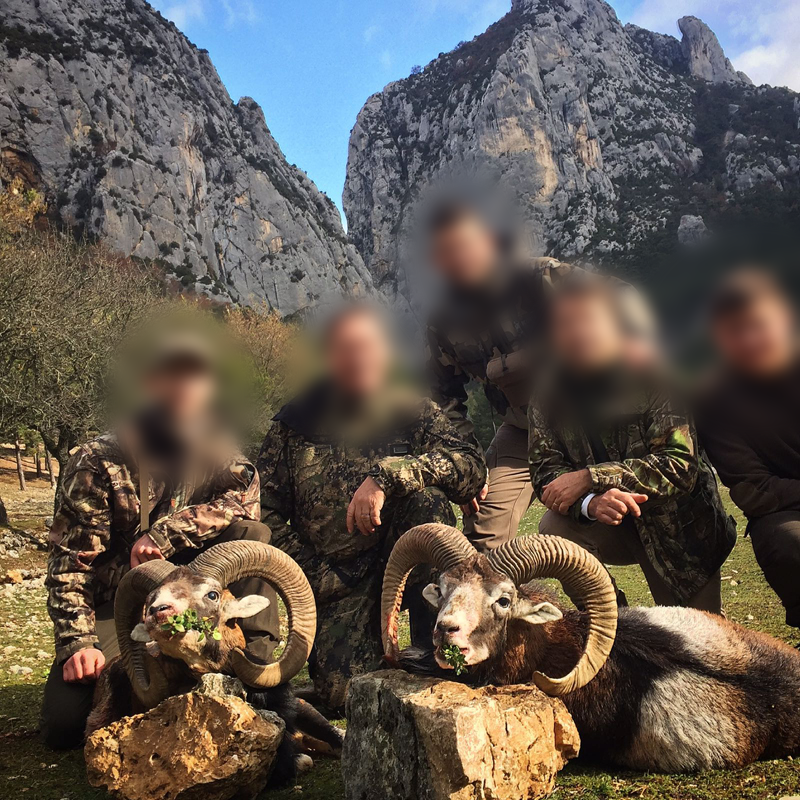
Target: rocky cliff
{"points": [[605, 135], [127, 127]]}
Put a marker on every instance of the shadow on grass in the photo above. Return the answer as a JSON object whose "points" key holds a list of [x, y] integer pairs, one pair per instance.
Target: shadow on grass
{"points": [[27, 767]]}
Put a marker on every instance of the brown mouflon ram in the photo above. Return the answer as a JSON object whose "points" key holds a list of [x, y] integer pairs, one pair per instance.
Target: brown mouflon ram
{"points": [[155, 663], [661, 689]]}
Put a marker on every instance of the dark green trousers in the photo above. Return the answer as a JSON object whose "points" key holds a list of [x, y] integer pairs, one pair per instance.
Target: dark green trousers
{"points": [[776, 544], [66, 706]]}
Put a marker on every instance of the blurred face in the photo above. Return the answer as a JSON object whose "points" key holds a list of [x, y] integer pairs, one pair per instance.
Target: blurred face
{"points": [[358, 355], [184, 392], [760, 340], [586, 335], [465, 252]]}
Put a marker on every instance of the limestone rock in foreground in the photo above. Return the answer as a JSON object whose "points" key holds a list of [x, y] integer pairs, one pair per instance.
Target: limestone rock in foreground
{"points": [[414, 738], [190, 747]]}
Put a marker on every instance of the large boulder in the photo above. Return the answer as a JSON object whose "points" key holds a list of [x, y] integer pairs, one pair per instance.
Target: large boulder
{"points": [[205, 745], [414, 738]]}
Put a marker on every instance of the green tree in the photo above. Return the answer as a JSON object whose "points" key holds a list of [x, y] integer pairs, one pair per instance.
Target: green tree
{"points": [[66, 309]]}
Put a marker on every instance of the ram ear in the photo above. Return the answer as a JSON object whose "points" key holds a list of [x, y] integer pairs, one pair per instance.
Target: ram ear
{"points": [[432, 594], [536, 613], [247, 606], [140, 633]]}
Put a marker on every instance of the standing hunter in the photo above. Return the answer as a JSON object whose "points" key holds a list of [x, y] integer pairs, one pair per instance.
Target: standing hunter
{"points": [[490, 328], [201, 491], [347, 468]]}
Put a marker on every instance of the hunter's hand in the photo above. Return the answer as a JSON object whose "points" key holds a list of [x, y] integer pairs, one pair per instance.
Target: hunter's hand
{"points": [[612, 506], [364, 511], [84, 666], [561, 493], [144, 549], [474, 505]]}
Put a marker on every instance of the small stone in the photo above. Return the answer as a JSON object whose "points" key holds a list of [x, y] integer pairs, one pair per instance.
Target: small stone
{"points": [[12, 554], [16, 669], [14, 576], [43, 654], [215, 684]]}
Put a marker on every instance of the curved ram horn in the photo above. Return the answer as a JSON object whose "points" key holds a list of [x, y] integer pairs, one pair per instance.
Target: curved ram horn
{"points": [[439, 545], [232, 561], [584, 579], [145, 673]]}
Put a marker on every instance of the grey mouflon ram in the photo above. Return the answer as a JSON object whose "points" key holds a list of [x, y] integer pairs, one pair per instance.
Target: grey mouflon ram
{"points": [[662, 689], [156, 662]]}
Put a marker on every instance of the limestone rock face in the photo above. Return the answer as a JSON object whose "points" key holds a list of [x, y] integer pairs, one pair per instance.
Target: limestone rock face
{"points": [[125, 124], [414, 738], [691, 230], [600, 134], [190, 747], [704, 53]]}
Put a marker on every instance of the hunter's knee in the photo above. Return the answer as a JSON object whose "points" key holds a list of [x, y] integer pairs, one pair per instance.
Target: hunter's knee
{"points": [[249, 530], [62, 731], [429, 505]]}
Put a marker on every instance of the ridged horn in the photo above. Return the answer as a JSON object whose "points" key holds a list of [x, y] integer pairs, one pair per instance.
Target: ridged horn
{"points": [[439, 545], [233, 561], [584, 579], [145, 673]]}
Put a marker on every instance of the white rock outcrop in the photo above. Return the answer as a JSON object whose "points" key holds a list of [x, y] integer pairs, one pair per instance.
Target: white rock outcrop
{"points": [[125, 124], [600, 134]]}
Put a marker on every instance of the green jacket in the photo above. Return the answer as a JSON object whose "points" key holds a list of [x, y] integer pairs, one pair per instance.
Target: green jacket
{"points": [[651, 445], [310, 470]]}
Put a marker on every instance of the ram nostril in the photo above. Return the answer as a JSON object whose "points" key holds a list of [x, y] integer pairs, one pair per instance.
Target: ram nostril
{"points": [[447, 627]]}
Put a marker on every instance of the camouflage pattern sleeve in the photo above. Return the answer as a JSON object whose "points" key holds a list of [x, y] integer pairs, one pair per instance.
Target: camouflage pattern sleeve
{"points": [[449, 462], [233, 495], [547, 457], [448, 383], [80, 533], [276, 486], [671, 465]]}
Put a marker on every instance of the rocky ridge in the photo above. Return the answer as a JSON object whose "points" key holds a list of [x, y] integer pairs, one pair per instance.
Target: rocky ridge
{"points": [[107, 107], [604, 135]]}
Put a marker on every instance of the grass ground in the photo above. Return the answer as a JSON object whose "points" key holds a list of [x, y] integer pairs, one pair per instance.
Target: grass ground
{"points": [[27, 769]]}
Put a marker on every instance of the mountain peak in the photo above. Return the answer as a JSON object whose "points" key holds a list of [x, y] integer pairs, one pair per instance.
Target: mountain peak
{"points": [[705, 55]]}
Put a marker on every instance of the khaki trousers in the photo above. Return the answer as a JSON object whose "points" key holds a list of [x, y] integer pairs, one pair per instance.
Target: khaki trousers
{"points": [[510, 490], [620, 546]]}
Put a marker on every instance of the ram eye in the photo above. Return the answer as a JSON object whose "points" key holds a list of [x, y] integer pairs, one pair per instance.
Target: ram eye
{"points": [[504, 602], [213, 596]]}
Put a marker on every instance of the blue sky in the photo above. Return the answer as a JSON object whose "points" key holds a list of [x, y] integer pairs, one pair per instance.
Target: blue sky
{"points": [[311, 64]]}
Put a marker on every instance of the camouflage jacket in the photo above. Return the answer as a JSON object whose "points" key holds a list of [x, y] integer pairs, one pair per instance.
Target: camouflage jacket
{"points": [[308, 478], [651, 446], [98, 522], [495, 337]]}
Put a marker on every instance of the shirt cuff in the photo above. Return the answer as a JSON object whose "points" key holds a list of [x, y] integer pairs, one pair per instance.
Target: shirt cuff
{"points": [[162, 541], [585, 506], [64, 651]]}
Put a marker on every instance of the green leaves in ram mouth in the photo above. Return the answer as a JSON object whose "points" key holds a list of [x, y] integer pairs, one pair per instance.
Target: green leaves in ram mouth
{"points": [[190, 621], [455, 658]]}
